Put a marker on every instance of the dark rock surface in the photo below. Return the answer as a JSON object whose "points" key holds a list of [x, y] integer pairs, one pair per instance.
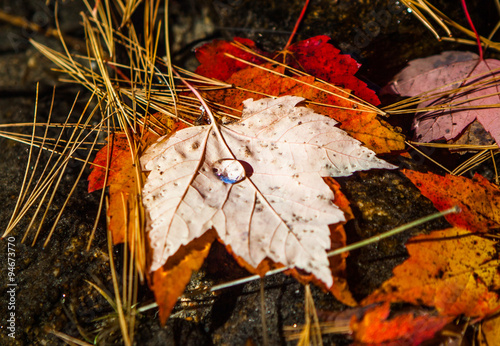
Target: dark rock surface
{"points": [[52, 293]]}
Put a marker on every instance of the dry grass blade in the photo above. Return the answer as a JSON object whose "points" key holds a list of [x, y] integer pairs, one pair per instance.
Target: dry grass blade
{"points": [[69, 339], [127, 9], [126, 332], [342, 94], [485, 152], [79, 73], [22, 193], [48, 180], [45, 143], [474, 161], [101, 16], [311, 330], [411, 145], [403, 106], [329, 327], [419, 7]]}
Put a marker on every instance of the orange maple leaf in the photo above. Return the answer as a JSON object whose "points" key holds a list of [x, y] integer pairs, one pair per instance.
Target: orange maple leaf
{"points": [[478, 199], [490, 332], [123, 208], [122, 185], [359, 121], [453, 270], [118, 148], [408, 328], [169, 281]]}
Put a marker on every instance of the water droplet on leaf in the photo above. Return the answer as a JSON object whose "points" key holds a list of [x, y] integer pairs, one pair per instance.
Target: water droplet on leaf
{"points": [[229, 171]]}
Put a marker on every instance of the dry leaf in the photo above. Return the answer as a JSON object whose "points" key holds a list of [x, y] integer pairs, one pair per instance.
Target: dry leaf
{"points": [[378, 326], [478, 199], [362, 124], [446, 72], [452, 270], [340, 287], [489, 334], [280, 210], [169, 281], [122, 185]]}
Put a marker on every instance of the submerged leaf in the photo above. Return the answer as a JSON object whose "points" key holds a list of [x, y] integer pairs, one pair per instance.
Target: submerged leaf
{"points": [[280, 210]]}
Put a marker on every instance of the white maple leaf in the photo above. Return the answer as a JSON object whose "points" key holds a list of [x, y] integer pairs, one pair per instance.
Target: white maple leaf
{"points": [[280, 210]]}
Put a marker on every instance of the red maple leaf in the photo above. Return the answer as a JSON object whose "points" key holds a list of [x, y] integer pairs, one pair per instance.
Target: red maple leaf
{"points": [[215, 64], [321, 59], [316, 56]]}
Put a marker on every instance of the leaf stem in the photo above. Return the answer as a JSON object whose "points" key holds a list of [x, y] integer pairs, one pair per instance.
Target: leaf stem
{"points": [[478, 40], [297, 23], [213, 121], [204, 104], [357, 245], [376, 238]]}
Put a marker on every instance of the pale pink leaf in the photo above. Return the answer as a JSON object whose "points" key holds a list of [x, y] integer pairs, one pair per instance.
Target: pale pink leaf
{"points": [[446, 72], [280, 210]]}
